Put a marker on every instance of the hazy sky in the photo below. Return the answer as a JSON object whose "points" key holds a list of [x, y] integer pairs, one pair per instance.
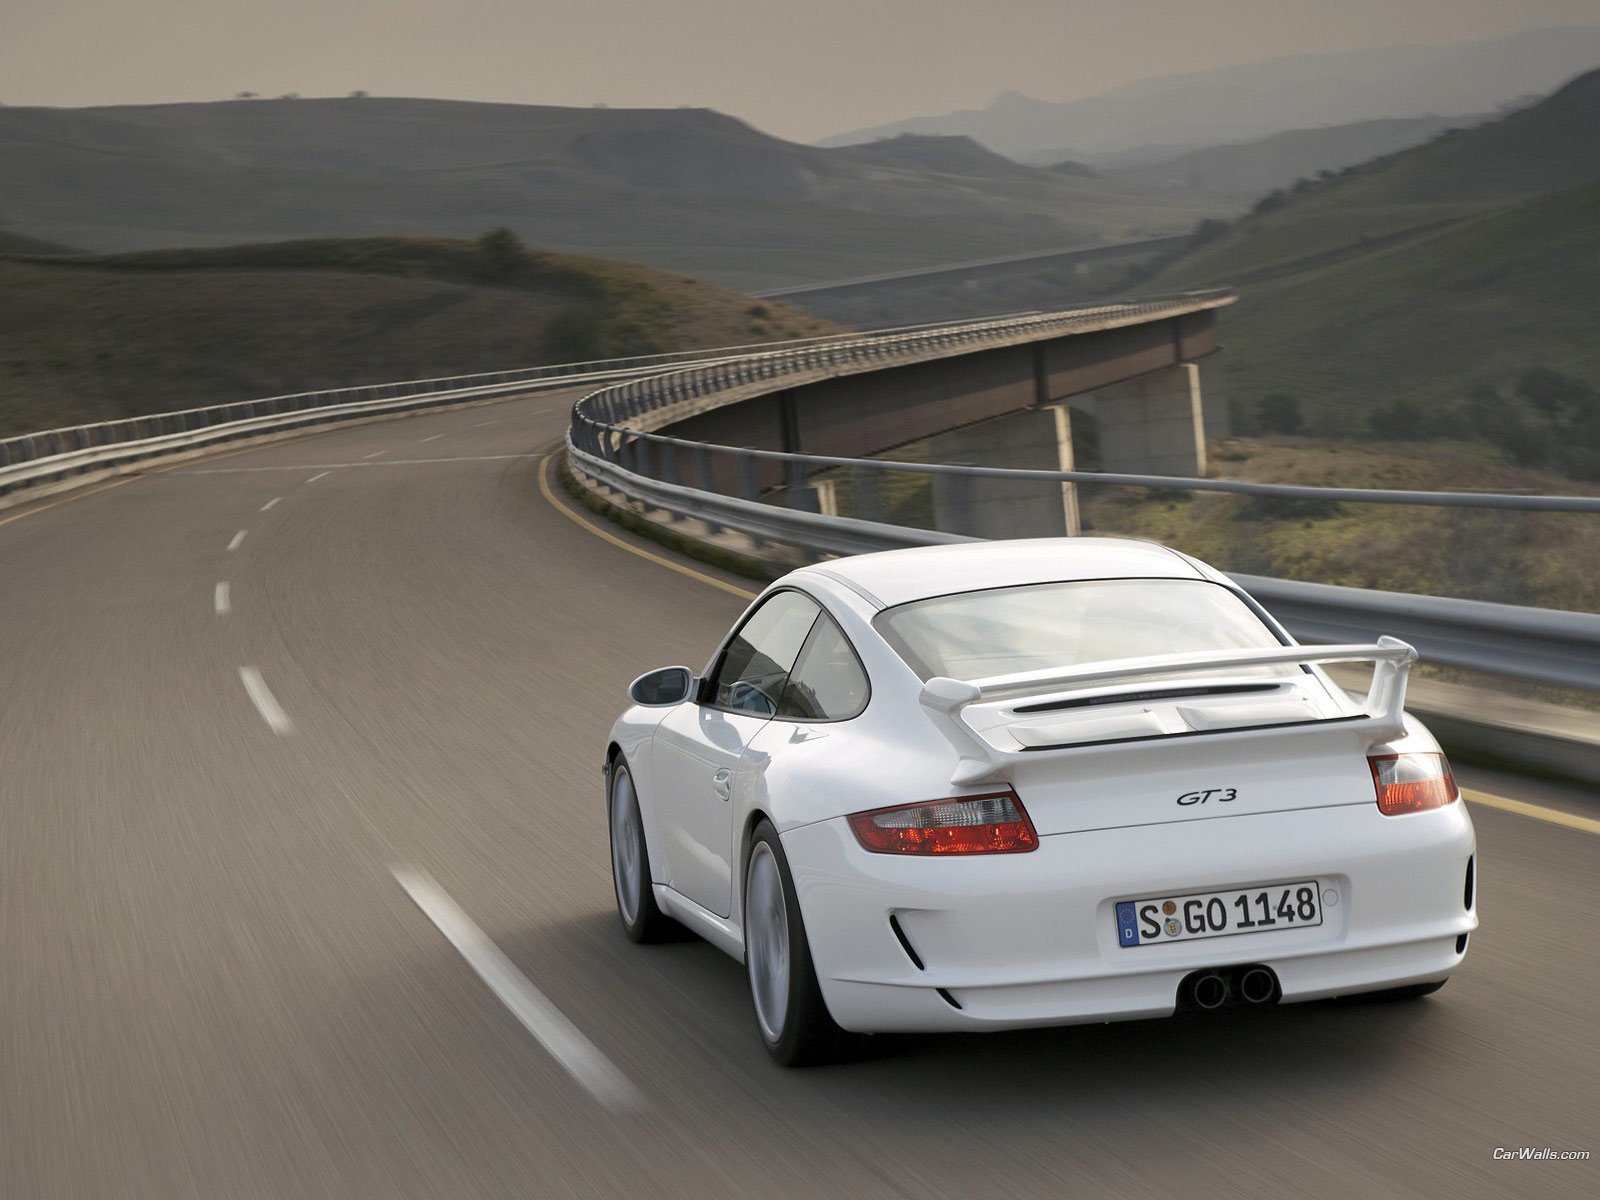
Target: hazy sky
{"points": [[797, 68]]}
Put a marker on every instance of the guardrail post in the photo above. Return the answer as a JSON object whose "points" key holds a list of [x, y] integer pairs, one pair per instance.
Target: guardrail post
{"points": [[957, 500], [866, 492], [703, 480], [795, 473], [749, 487]]}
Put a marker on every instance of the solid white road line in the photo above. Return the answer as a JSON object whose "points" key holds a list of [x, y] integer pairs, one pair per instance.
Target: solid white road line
{"points": [[433, 437], [237, 538], [374, 454], [314, 478], [270, 503], [266, 704], [580, 1057], [222, 600]]}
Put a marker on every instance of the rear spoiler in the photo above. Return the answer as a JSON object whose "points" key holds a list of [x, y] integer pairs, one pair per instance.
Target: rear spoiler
{"points": [[944, 698]]}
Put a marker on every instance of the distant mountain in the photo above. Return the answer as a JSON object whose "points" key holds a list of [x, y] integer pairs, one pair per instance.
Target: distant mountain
{"points": [[1249, 170], [1422, 294], [1248, 102], [939, 155], [686, 189]]}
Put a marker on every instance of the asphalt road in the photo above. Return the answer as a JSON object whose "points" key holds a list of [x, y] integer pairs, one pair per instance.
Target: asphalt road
{"points": [[214, 986]]}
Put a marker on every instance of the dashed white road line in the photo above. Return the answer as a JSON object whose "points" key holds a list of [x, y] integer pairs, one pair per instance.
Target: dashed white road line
{"points": [[482, 424], [374, 454], [237, 538], [222, 599], [323, 475], [565, 1042], [268, 505], [433, 437], [266, 703]]}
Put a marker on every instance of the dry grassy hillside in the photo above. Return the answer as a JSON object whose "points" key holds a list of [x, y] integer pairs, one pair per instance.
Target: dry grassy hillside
{"points": [[90, 338]]}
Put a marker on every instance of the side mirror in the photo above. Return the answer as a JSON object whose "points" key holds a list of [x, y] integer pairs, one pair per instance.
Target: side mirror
{"points": [[663, 687]]}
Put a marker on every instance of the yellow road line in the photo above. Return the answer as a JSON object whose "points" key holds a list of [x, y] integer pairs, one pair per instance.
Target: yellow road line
{"points": [[544, 486], [1539, 813]]}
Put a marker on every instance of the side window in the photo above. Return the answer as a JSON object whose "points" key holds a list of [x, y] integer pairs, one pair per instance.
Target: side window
{"points": [[756, 664], [827, 683]]}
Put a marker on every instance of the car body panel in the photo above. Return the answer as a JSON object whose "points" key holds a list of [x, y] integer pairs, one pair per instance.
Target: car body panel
{"points": [[696, 748], [1028, 939]]}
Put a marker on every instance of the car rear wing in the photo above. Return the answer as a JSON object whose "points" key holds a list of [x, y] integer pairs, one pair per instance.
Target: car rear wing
{"points": [[944, 698]]}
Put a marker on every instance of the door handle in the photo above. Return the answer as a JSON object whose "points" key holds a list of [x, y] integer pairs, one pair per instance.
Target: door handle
{"points": [[722, 783]]}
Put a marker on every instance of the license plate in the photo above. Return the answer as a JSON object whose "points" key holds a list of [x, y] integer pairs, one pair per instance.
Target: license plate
{"points": [[1218, 914]]}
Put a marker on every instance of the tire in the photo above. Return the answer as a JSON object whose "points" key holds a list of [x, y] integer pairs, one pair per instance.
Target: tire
{"points": [[1411, 991], [791, 1016], [641, 919]]}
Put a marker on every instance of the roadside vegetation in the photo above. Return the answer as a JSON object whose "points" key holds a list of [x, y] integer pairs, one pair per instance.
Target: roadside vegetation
{"points": [[1541, 559]]}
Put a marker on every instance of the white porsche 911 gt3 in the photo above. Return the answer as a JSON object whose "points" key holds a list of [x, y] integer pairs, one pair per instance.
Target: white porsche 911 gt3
{"points": [[1003, 784]]}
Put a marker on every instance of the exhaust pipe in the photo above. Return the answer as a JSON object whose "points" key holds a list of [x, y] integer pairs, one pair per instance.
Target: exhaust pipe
{"points": [[1210, 991], [1257, 985]]}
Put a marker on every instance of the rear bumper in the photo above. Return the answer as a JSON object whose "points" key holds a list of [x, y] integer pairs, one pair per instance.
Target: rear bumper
{"points": [[1029, 939]]}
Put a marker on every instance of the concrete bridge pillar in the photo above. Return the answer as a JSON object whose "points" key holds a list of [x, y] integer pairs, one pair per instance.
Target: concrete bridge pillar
{"points": [[1213, 388], [1153, 424], [1036, 439]]}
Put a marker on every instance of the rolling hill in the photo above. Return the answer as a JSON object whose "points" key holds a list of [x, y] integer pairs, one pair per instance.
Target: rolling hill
{"points": [[1181, 112], [94, 337], [1548, 146], [684, 189], [1246, 171], [1439, 292]]}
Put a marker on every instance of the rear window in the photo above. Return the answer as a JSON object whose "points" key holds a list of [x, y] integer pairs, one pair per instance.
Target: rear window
{"points": [[975, 635]]}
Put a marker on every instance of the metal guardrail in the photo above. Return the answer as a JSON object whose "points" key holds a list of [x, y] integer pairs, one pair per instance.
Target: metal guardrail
{"points": [[1540, 645], [1544, 646], [53, 454], [1503, 501]]}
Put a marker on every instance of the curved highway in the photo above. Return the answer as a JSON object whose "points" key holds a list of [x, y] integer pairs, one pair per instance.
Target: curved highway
{"points": [[246, 699]]}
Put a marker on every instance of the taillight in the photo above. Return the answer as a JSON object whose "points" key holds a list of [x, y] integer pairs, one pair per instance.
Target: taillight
{"points": [[1409, 783], [992, 824]]}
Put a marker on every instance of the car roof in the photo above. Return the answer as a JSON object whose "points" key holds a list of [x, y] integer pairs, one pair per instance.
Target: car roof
{"points": [[894, 577]]}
